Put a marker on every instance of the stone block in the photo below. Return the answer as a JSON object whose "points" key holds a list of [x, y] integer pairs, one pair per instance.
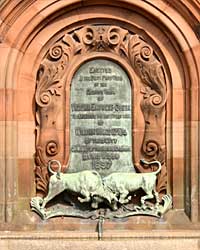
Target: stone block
{"points": [[26, 139], [25, 177]]}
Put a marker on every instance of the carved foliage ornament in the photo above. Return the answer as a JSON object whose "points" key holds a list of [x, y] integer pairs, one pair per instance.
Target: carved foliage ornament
{"points": [[50, 93]]}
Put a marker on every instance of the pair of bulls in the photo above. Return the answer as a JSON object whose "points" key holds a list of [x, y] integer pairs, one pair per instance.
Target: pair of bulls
{"points": [[112, 189]]}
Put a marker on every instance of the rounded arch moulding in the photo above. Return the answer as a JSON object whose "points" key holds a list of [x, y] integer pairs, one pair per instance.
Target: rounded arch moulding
{"points": [[160, 51]]}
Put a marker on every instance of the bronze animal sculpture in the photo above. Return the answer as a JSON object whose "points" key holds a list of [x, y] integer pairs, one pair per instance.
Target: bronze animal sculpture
{"points": [[122, 184], [86, 183], [114, 190]]}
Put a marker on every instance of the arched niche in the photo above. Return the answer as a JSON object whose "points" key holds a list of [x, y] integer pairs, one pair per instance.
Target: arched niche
{"points": [[173, 49], [93, 41]]}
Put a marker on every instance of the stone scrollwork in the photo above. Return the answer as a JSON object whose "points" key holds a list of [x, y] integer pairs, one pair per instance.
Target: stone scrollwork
{"points": [[50, 91], [52, 148], [151, 72]]}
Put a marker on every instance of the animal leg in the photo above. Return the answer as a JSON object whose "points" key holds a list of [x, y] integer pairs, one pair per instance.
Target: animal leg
{"points": [[123, 194], [87, 196], [149, 195], [95, 201], [113, 205], [157, 198]]}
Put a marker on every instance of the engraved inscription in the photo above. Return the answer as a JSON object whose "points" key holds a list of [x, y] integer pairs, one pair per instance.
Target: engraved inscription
{"points": [[100, 118]]}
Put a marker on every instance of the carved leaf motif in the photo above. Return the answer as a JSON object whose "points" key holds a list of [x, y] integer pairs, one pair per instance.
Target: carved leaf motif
{"points": [[41, 173], [71, 47], [54, 89], [151, 73], [148, 68], [42, 179]]}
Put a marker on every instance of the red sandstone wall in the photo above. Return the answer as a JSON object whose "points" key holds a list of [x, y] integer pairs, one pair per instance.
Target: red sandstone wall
{"points": [[27, 30]]}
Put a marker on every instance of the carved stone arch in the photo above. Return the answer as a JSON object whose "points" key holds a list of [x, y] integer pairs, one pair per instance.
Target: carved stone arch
{"points": [[50, 92]]}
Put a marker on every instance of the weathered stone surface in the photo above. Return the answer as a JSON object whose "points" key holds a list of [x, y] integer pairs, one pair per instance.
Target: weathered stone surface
{"points": [[139, 244]]}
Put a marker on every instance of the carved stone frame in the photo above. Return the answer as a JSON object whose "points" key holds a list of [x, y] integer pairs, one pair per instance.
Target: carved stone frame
{"points": [[54, 76]]}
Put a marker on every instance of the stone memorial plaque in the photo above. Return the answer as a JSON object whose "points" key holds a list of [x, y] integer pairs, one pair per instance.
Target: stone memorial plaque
{"points": [[101, 119]]}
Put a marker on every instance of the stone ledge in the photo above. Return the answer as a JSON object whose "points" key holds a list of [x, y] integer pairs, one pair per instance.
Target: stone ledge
{"points": [[107, 235], [126, 240]]}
